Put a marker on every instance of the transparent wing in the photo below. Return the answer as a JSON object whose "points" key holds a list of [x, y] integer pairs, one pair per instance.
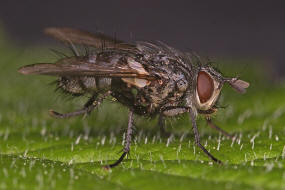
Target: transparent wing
{"points": [[97, 40]]}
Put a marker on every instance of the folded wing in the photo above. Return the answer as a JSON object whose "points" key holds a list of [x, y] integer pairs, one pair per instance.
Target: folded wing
{"points": [[81, 67]]}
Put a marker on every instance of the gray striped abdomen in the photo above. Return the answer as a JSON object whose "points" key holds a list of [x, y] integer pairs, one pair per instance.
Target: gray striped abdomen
{"points": [[82, 85]]}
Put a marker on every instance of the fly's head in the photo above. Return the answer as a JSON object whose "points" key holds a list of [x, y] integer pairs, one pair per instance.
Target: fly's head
{"points": [[208, 84]]}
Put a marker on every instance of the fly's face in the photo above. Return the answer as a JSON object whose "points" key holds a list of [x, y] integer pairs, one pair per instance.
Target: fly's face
{"points": [[209, 83], [208, 88]]}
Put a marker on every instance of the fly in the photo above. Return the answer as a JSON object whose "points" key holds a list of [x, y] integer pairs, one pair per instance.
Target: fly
{"points": [[151, 79]]}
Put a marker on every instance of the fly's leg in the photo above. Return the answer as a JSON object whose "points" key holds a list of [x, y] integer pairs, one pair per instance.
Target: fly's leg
{"points": [[162, 127], [89, 106], [170, 111], [197, 138], [70, 114], [128, 140], [212, 125]]}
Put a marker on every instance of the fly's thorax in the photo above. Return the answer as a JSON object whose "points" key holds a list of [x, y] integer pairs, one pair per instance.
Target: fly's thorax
{"points": [[207, 87]]}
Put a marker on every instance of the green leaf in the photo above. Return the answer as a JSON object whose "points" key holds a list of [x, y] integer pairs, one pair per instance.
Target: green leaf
{"points": [[40, 152]]}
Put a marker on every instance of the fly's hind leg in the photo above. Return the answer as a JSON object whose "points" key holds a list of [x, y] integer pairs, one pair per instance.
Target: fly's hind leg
{"points": [[89, 106], [128, 139]]}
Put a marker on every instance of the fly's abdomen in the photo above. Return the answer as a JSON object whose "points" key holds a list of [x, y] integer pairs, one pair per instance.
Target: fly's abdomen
{"points": [[70, 85], [81, 85], [94, 84]]}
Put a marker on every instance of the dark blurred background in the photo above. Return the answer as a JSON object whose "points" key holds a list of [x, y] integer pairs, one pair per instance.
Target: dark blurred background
{"points": [[233, 29]]}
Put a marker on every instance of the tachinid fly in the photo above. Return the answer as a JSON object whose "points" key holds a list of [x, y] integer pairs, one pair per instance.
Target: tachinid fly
{"points": [[149, 78]]}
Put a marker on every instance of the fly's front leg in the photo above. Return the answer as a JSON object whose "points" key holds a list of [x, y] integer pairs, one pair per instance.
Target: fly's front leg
{"points": [[212, 125], [128, 139], [197, 138]]}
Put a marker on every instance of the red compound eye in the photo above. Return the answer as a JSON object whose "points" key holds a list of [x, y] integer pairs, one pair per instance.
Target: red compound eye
{"points": [[205, 86]]}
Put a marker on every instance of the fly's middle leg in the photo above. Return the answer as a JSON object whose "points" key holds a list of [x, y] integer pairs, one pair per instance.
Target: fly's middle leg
{"points": [[162, 126], [128, 139]]}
